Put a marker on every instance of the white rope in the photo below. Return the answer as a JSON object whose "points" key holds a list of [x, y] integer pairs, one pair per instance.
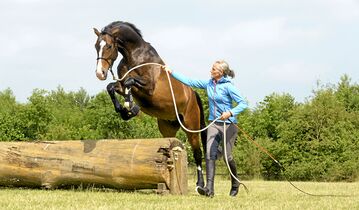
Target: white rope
{"points": [[177, 115], [225, 153], [134, 68]]}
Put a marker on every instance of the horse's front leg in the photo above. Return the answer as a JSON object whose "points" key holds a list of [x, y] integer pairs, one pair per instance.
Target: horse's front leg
{"points": [[129, 104], [124, 113], [111, 89]]}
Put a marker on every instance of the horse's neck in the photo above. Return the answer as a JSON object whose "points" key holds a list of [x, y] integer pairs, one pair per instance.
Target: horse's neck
{"points": [[143, 54], [148, 75]]}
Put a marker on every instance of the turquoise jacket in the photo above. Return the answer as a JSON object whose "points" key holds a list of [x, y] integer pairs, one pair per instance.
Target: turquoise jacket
{"points": [[221, 94]]}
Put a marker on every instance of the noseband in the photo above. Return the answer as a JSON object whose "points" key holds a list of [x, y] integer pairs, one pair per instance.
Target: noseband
{"points": [[110, 65], [105, 59]]}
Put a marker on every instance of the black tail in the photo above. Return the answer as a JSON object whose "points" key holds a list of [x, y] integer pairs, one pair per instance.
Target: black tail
{"points": [[202, 122]]}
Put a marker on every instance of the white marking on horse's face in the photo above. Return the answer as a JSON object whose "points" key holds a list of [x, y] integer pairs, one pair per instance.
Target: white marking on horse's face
{"points": [[100, 72]]}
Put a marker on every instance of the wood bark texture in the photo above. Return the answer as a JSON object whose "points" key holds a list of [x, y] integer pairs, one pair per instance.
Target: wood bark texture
{"points": [[120, 164]]}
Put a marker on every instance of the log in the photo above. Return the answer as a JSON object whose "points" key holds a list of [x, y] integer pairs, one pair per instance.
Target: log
{"points": [[120, 164]]}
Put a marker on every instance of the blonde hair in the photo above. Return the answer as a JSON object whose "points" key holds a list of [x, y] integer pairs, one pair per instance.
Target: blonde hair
{"points": [[225, 68]]}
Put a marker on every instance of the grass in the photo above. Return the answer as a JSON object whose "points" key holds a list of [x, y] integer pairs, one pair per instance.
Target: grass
{"points": [[263, 195]]}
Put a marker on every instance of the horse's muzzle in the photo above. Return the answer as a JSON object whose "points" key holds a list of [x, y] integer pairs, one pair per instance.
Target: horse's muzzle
{"points": [[101, 74]]}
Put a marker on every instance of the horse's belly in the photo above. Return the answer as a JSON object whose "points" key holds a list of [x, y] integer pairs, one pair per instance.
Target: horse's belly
{"points": [[159, 113]]}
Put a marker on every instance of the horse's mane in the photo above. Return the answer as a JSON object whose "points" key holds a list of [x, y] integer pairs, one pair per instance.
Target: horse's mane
{"points": [[108, 29]]}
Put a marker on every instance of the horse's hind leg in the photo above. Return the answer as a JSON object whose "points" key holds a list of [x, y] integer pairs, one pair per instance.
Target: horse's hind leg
{"points": [[168, 128], [193, 139], [192, 120]]}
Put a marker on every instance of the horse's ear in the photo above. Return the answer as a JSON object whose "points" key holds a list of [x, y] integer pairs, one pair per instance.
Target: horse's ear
{"points": [[96, 31]]}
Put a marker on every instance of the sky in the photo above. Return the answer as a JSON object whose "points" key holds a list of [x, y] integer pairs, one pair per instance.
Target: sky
{"points": [[274, 46]]}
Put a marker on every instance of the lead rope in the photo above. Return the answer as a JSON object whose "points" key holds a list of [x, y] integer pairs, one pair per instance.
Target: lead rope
{"points": [[225, 149], [226, 158], [282, 169], [132, 69], [248, 138]]}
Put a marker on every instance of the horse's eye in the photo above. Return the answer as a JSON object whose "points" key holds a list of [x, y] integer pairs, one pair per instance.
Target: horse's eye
{"points": [[109, 47]]}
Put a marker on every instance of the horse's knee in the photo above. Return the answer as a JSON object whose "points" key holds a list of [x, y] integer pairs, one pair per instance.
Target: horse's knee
{"points": [[129, 82], [111, 88]]}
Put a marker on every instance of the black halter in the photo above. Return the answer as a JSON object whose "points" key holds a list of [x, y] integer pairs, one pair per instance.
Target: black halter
{"points": [[105, 59], [118, 44]]}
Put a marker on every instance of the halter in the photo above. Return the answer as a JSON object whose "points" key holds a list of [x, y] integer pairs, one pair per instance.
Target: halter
{"points": [[110, 65], [107, 59]]}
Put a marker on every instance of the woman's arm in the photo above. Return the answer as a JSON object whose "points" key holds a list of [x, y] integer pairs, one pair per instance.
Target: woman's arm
{"points": [[236, 96], [190, 82]]}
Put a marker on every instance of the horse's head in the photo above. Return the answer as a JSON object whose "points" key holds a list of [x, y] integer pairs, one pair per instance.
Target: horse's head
{"points": [[116, 37], [107, 52]]}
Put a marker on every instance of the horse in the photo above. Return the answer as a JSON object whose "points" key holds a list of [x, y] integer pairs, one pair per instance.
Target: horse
{"points": [[146, 88]]}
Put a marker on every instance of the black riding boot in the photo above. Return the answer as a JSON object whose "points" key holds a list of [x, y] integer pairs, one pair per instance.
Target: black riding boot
{"points": [[235, 183], [210, 172]]}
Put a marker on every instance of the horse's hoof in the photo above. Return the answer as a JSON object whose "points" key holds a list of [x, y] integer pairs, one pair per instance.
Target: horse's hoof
{"points": [[205, 191], [126, 115], [233, 192], [135, 110]]}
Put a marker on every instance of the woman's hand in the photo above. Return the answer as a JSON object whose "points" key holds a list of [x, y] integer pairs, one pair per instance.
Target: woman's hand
{"points": [[166, 68], [226, 115]]}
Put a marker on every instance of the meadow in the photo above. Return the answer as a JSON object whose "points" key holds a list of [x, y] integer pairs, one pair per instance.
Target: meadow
{"points": [[262, 195]]}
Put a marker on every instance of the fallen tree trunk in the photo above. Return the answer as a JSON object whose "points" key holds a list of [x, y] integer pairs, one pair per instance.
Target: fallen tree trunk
{"points": [[121, 164]]}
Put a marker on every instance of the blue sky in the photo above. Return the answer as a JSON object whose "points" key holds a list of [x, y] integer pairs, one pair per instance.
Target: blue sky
{"points": [[273, 46]]}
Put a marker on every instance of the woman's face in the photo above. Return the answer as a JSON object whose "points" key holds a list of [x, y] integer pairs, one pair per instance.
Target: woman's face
{"points": [[216, 72]]}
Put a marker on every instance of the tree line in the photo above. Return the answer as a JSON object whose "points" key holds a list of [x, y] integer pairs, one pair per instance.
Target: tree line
{"points": [[316, 140]]}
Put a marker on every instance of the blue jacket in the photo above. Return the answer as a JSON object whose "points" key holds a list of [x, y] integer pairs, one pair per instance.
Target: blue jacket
{"points": [[220, 96]]}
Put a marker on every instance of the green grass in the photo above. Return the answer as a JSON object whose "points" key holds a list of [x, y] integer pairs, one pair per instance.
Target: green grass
{"points": [[263, 195]]}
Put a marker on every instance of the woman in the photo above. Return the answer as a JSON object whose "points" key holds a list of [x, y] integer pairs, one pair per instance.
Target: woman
{"points": [[221, 93]]}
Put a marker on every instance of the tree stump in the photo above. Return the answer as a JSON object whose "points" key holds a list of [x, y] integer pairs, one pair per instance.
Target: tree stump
{"points": [[120, 164]]}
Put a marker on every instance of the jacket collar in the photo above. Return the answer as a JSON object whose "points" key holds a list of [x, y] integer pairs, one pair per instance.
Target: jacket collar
{"points": [[222, 80]]}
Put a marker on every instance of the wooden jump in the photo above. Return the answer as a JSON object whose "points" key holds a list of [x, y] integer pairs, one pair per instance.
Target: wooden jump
{"points": [[121, 164]]}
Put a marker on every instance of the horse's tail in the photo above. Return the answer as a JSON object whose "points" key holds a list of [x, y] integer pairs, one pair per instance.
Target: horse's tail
{"points": [[202, 122]]}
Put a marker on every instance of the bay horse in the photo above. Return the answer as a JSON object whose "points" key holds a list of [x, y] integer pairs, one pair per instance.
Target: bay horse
{"points": [[148, 86]]}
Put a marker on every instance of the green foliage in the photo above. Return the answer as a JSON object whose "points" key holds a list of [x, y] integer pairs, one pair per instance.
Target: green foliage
{"points": [[324, 136], [314, 140], [348, 94], [10, 122]]}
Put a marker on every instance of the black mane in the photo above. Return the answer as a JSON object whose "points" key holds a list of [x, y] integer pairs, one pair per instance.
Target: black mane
{"points": [[108, 29]]}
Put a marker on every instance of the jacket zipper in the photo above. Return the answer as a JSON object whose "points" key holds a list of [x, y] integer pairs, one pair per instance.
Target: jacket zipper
{"points": [[214, 102]]}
